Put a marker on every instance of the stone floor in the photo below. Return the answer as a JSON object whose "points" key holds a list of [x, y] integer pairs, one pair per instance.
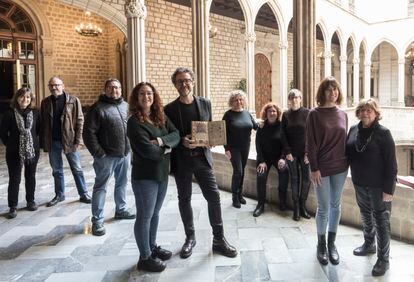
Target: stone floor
{"points": [[55, 244]]}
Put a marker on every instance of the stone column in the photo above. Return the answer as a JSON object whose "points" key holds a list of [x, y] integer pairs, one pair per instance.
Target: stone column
{"points": [[344, 84], [328, 63], [401, 77], [250, 38], [135, 12], [367, 77], [356, 81], [201, 60], [304, 43], [283, 45]]}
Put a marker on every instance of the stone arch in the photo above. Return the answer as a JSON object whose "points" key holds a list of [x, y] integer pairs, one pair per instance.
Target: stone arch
{"points": [[274, 6], [324, 31], [378, 43]]}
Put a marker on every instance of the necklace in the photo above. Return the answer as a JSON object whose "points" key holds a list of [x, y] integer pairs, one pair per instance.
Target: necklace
{"points": [[362, 149]]}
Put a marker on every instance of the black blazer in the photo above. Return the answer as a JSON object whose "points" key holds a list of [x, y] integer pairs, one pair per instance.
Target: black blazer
{"points": [[173, 113]]}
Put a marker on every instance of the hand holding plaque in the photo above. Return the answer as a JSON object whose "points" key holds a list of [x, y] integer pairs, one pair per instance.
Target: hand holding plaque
{"points": [[208, 133]]}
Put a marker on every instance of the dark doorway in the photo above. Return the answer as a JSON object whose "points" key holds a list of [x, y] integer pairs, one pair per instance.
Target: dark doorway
{"points": [[6, 84]]}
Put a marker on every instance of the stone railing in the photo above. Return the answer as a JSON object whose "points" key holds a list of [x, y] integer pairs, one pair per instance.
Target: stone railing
{"points": [[402, 220]]}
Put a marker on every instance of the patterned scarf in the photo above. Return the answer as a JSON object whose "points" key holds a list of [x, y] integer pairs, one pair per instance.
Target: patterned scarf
{"points": [[26, 148]]}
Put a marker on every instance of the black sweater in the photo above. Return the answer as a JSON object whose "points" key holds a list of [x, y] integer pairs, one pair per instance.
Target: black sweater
{"points": [[293, 131], [239, 127], [269, 143], [376, 166], [149, 161], [9, 133]]}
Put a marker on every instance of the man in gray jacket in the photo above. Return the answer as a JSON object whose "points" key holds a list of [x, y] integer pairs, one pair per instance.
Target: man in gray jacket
{"points": [[106, 139], [61, 131]]}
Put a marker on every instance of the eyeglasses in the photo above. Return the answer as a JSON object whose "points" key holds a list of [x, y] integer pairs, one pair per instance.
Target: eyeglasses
{"points": [[113, 87], [54, 85], [186, 81]]}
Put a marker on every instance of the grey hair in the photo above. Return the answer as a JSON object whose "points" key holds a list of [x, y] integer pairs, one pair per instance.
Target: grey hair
{"points": [[293, 93], [181, 70], [237, 93], [109, 80], [54, 77]]}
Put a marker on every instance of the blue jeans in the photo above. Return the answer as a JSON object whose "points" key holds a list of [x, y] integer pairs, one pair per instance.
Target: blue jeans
{"points": [[104, 168], [149, 196], [56, 162], [329, 202]]}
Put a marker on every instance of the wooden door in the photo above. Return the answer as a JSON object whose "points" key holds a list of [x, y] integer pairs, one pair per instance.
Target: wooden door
{"points": [[263, 81]]}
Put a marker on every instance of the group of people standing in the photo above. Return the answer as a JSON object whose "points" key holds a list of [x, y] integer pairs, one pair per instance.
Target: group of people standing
{"points": [[314, 146], [310, 146]]}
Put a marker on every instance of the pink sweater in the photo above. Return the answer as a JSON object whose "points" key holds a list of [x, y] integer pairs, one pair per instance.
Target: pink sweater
{"points": [[326, 130]]}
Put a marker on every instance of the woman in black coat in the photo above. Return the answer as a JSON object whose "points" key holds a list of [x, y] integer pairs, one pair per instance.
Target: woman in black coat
{"points": [[19, 131], [371, 154]]}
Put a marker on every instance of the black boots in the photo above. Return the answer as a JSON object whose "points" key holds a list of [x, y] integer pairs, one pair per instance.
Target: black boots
{"points": [[151, 264], [282, 200], [333, 252], [296, 216], [303, 212], [258, 210], [366, 249], [222, 247], [321, 253], [242, 200], [236, 201], [380, 267]]}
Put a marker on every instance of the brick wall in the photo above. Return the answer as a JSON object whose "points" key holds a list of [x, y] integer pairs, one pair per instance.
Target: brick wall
{"points": [[82, 62]]}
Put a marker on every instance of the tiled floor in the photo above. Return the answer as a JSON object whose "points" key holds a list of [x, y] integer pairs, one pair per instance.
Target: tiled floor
{"points": [[55, 244]]}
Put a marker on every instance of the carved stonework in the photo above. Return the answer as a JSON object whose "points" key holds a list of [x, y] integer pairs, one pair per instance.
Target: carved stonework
{"points": [[283, 45], [135, 9], [250, 37], [355, 61], [343, 58]]}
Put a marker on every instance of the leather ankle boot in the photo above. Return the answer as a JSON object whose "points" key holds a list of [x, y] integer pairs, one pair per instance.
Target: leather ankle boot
{"points": [[321, 253], [236, 201], [242, 200], [303, 212], [366, 249], [258, 210], [380, 267], [296, 216], [333, 252]]}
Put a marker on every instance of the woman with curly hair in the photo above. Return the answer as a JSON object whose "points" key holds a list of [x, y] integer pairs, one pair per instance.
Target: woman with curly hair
{"points": [[152, 136], [269, 152]]}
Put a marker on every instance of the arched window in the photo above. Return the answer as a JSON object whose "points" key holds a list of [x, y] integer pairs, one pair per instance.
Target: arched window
{"points": [[18, 54]]}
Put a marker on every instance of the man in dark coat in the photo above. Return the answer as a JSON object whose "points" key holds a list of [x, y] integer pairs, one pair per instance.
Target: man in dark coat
{"points": [[188, 160]]}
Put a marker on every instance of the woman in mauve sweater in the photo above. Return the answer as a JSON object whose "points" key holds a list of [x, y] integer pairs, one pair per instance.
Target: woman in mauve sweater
{"points": [[371, 153], [326, 129], [239, 125]]}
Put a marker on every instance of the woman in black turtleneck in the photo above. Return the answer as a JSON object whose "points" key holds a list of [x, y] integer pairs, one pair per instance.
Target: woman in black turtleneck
{"points": [[371, 153], [19, 131], [269, 152]]}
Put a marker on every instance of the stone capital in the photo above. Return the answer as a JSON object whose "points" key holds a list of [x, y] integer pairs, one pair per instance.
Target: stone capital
{"points": [[355, 61], [328, 55], [283, 44], [343, 58], [250, 36], [135, 9], [401, 61]]}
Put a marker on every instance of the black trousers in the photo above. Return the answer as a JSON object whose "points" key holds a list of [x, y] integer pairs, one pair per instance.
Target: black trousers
{"points": [[15, 175], [238, 161], [375, 215], [299, 179], [198, 166], [262, 180]]}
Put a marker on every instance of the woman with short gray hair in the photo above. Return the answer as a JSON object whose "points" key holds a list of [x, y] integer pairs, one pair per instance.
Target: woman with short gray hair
{"points": [[239, 125]]}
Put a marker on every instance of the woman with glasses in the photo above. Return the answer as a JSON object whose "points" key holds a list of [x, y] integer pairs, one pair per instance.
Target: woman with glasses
{"points": [[293, 132], [326, 129], [152, 136], [371, 154], [239, 125], [19, 131]]}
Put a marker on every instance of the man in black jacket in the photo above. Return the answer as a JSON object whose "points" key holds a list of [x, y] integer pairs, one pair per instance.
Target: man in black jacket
{"points": [[186, 160], [105, 137]]}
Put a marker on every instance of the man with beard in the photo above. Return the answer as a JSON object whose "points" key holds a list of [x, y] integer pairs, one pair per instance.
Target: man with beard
{"points": [[61, 131], [188, 160]]}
